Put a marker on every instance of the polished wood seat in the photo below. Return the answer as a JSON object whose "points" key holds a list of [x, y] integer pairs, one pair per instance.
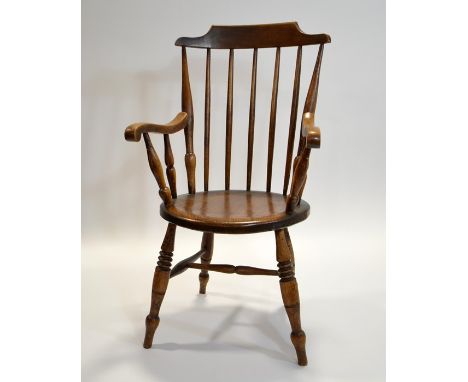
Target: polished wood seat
{"points": [[233, 211], [236, 211]]}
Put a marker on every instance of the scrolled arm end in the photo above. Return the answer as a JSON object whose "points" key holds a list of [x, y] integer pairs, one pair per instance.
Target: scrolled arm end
{"points": [[310, 132], [134, 131]]}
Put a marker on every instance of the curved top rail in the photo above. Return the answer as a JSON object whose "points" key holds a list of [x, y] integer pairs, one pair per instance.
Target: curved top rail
{"points": [[253, 36]]}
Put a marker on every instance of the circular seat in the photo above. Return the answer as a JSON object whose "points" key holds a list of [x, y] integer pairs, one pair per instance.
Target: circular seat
{"points": [[233, 211]]}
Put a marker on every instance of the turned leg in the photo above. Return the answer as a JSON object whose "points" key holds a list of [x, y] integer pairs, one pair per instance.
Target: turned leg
{"points": [[160, 281], [288, 240], [207, 245], [290, 292]]}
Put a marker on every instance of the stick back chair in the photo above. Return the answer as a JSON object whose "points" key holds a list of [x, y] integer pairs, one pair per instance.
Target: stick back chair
{"points": [[235, 211]]}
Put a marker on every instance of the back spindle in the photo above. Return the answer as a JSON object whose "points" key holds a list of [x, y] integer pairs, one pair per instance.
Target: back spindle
{"points": [[207, 119], [227, 168], [253, 90], [292, 120], [271, 135], [312, 93]]}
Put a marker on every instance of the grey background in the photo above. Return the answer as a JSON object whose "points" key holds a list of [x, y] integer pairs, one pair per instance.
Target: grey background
{"points": [[131, 72]]}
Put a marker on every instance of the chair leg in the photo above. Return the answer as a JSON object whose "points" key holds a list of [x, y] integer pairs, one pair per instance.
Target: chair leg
{"points": [[160, 281], [207, 243], [290, 292], [288, 240]]}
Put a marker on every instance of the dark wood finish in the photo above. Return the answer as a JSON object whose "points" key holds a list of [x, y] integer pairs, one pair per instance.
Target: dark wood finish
{"points": [[187, 106], [298, 182], [206, 172], [160, 282], [312, 93], [291, 251], [292, 120], [250, 143], [271, 135], [207, 247], [290, 293], [227, 168], [182, 265], [239, 269], [310, 137], [134, 131], [233, 211], [170, 170], [253, 36], [236, 211], [156, 169], [310, 132], [205, 266]]}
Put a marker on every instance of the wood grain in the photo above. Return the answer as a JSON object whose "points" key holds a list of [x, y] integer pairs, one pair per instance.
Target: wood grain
{"points": [[233, 211], [253, 36]]}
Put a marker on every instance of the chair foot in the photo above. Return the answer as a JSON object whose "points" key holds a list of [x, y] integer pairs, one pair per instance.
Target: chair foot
{"points": [[160, 282], [203, 282], [152, 324], [207, 244], [299, 339], [290, 293]]}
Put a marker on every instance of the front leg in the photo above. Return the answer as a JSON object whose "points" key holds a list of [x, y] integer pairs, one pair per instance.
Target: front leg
{"points": [[290, 292], [160, 281]]}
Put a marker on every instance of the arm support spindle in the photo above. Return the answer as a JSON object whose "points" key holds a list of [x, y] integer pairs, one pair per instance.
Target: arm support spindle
{"points": [[310, 139], [134, 133]]}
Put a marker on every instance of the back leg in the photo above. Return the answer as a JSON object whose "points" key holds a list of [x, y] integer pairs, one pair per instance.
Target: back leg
{"points": [[207, 245], [290, 293]]}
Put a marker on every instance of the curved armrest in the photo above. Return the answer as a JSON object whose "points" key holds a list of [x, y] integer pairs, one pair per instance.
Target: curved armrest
{"points": [[134, 131], [310, 132]]}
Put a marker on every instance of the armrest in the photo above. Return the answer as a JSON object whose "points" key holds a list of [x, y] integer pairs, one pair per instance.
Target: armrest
{"points": [[310, 132], [134, 131]]}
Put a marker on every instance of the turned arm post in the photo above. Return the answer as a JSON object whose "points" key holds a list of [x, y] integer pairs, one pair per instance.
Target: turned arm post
{"points": [[309, 138], [156, 169], [170, 169], [187, 107]]}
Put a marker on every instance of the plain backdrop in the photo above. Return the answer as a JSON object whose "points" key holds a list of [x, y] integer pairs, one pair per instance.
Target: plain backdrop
{"points": [[239, 330]]}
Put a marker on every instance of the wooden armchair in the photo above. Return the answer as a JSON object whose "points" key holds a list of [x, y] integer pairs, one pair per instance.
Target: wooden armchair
{"points": [[235, 211]]}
